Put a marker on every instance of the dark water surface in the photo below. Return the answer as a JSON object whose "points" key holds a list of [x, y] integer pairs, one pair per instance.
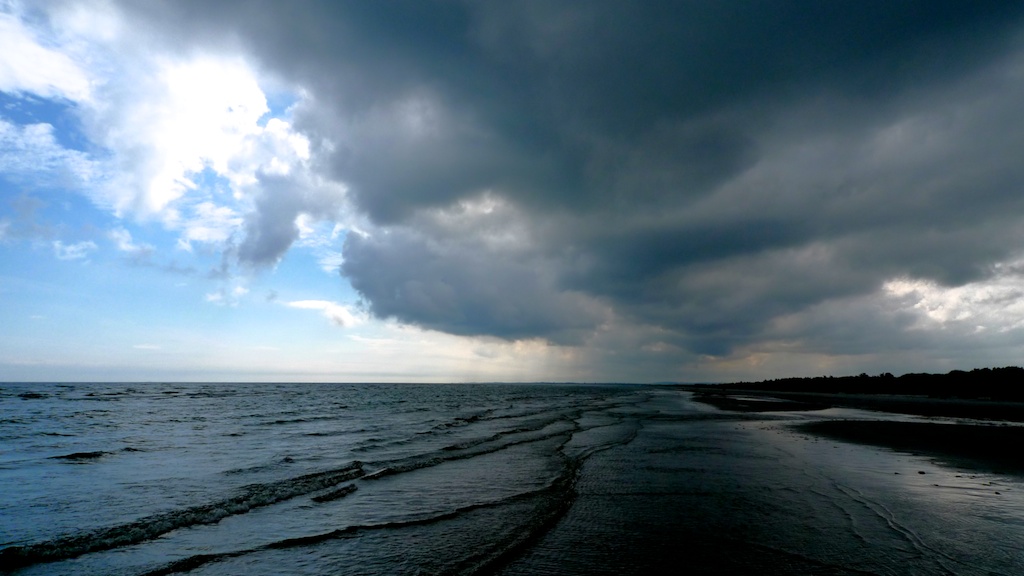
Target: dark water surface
{"points": [[471, 479]]}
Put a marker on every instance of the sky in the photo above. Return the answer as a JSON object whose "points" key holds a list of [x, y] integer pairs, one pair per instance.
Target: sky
{"points": [[485, 190]]}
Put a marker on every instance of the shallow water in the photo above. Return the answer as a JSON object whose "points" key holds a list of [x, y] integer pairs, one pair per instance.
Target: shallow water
{"points": [[469, 479]]}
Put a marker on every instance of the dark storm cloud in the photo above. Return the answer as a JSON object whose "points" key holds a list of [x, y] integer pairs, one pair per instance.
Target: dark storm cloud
{"points": [[271, 228], [456, 287], [702, 169]]}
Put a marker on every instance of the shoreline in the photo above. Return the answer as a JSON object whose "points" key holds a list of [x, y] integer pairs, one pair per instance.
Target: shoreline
{"points": [[979, 446], [987, 448], [749, 400]]}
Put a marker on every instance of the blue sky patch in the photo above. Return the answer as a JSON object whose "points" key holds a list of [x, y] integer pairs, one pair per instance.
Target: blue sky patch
{"points": [[61, 114]]}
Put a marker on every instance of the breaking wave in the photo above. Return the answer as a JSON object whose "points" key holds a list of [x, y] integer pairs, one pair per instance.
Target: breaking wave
{"points": [[250, 497]]}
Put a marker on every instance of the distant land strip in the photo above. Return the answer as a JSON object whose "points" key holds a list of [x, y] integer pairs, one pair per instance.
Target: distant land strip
{"points": [[984, 393]]}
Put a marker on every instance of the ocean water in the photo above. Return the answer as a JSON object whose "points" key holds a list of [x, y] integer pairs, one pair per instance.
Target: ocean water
{"points": [[470, 479]]}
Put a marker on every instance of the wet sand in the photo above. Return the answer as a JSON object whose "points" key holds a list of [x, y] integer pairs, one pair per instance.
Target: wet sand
{"points": [[894, 403], [751, 403], [991, 447], [988, 448], [746, 488]]}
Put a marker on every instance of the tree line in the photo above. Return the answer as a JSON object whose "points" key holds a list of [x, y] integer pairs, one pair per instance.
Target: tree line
{"points": [[1003, 384]]}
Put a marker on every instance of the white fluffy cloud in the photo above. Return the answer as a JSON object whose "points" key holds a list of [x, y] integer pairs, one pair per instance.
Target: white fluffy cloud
{"points": [[32, 151], [179, 136], [339, 314], [190, 120], [77, 251], [208, 223], [995, 304], [136, 252], [26, 65], [123, 239], [227, 296]]}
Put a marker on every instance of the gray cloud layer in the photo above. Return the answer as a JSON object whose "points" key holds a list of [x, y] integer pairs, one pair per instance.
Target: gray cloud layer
{"points": [[700, 170]]}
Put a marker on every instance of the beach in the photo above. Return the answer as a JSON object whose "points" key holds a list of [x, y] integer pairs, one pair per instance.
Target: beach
{"points": [[783, 491], [495, 479]]}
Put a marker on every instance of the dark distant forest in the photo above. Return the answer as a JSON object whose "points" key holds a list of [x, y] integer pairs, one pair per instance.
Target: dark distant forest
{"points": [[1002, 384]]}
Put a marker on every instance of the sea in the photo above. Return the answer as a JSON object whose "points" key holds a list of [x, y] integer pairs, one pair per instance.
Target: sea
{"points": [[510, 479]]}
